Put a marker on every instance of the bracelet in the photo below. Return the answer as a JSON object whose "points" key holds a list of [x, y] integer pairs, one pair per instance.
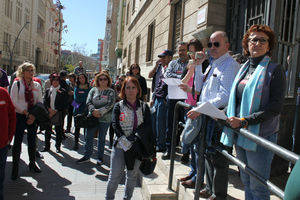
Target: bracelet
{"points": [[244, 123]]}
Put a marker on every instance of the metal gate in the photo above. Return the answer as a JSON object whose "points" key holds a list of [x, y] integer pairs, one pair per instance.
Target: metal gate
{"points": [[288, 43]]}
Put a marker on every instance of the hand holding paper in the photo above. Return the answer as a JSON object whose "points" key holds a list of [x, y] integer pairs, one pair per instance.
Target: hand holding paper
{"points": [[210, 110], [174, 92]]}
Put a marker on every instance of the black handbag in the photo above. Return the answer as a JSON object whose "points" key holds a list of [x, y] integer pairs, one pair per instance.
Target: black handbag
{"points": [[148, 165], [85, 121]]}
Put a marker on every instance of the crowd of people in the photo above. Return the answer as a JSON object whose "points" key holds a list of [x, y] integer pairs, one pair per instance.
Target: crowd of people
{"points": [[250, 92]]}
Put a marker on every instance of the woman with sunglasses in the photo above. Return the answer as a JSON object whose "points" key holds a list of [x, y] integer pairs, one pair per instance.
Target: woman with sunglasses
{"points": [[135, 71], [55, 101], [100, 102], [255, 102], [25, 93], [81, 92]]}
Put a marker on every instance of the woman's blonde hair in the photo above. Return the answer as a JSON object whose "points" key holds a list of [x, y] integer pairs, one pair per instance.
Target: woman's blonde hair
{"points": [[23, 67]]}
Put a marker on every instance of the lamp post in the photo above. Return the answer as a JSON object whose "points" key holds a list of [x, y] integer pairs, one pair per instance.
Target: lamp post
{"points": [[11, 50]]}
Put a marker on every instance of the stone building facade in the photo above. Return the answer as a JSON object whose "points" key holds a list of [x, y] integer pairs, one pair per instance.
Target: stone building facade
{"points": [[110, 39], [147, 27], [35, 21]]}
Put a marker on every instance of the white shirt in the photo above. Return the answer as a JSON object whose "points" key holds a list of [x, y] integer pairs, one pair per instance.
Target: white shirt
{"points": [[216, 88], [53, 92], [18, 96]]}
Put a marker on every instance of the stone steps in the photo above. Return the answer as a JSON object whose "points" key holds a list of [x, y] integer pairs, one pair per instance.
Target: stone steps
{"points": [[155, 186]]}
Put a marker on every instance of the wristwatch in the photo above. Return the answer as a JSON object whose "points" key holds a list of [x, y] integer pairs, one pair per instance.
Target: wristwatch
{"points": [[244, 123]]}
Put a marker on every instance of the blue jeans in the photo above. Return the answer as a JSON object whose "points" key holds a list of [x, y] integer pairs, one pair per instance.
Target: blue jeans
{"points": [[259, 161], [102, 127], [159, 118], [117, 166], [3, 157]]}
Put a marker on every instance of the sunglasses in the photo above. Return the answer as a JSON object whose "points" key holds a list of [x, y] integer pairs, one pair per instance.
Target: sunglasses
{"points": [[255, 40], [102, 79], [216, 44]]}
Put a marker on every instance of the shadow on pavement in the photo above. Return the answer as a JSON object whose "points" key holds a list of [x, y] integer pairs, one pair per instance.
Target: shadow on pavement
{"points": [[46, 185]]}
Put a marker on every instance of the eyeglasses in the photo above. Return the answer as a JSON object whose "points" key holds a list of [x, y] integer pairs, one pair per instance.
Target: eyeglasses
{"points": [[102, 79], [216, 44], [135, 68], [255, 40]]}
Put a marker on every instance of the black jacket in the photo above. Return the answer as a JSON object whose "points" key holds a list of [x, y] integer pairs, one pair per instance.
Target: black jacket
{"points": [[41, 115], [143, 137], [61, 100]]}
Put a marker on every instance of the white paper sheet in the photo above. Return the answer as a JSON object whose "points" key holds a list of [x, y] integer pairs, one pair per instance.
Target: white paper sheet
{"points": [[174, 92], [210, 110]]}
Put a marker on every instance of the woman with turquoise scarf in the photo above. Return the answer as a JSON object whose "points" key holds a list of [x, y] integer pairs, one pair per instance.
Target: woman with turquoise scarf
{"points": [[255, 102]]}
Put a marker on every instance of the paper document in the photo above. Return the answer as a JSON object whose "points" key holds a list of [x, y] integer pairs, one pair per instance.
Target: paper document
{"points": [[174, 92], [210, 110]]}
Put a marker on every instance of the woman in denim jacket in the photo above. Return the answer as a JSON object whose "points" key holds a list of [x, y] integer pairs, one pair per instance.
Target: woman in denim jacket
{"points": [[81, 92]]}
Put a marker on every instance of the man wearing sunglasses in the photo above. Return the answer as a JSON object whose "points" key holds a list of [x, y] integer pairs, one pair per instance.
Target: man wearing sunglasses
{"points": [[214, 87]]}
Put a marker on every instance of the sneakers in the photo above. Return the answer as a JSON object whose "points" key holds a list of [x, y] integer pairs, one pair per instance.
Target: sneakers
{"points": [[99, 162], [82, 160], [166, 156]]}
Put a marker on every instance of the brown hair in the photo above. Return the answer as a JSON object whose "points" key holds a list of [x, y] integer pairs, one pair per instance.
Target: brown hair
{"points": [[98, 77], [135, 82], [259, 28], [131, 68], [196, 43]]}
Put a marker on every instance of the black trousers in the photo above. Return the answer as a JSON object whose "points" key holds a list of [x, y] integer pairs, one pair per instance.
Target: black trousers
{"points": [[69, 117], [31, 139], [59, 137], [216, 172]]}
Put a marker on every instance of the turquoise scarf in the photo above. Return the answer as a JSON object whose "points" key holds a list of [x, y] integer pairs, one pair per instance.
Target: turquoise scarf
{"points": [[250, 103]]}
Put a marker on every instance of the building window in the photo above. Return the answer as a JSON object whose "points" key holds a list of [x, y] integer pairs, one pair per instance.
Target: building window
{"points": [[133, 6], [127, 14], [125, 53], [137, 49], [25, 48], [17, 47], [8, 8], [150, 41], [40, 26], [6, 42], [26, 17], [129, 56], [177, 22], [18, 13]]}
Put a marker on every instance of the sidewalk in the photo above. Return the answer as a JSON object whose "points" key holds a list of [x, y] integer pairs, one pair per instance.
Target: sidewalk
{"points": [[61, 177]]}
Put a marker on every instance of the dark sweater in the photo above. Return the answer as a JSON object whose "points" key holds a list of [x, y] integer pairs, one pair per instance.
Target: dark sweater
{"points": [[276, 97]]}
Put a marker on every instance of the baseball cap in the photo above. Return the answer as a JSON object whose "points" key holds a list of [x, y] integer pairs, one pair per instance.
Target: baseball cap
{"points": [[166, 53], [63, 73]]}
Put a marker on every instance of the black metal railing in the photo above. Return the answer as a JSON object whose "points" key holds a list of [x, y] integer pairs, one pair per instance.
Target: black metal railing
{"points": [[280, 151]]}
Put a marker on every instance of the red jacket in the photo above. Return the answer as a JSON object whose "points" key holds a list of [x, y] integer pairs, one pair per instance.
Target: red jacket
{"points": [[7, 118]]}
